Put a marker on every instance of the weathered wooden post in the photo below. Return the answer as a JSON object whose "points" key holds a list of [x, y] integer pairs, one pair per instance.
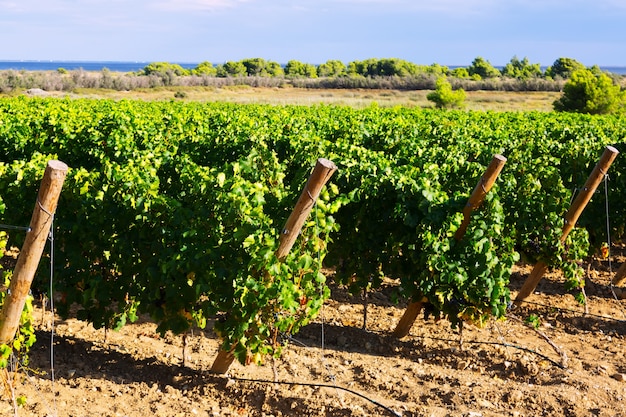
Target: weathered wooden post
{"points": [[322, 172], [576, 209], [620, 276], [478, 195], [34, 244], [480, 191]]}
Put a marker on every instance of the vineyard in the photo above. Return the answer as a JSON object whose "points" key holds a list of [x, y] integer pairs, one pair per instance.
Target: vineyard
{"points": [[175, 211]]}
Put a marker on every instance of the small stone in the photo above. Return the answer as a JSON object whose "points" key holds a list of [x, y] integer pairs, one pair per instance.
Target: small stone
{"points": [[484, 403], [515, 397], [620, 377]]}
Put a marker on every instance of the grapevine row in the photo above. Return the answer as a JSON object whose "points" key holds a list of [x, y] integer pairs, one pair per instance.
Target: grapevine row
{"points": [[175, 209]]}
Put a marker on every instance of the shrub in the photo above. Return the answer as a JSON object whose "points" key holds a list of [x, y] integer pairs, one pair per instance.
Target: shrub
{"points": [[590, 91], [445, 96]]}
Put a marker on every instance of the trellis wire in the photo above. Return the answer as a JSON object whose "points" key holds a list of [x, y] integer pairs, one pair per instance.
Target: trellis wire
{"points": [[51, 298], [11, 227]]}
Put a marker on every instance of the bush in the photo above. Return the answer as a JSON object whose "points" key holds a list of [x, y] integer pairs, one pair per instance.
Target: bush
{"points": [[444, 96], [590, 91]]}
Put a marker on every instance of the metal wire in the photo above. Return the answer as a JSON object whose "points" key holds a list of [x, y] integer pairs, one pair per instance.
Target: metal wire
{"points": [[11, 227], [51, 298]]}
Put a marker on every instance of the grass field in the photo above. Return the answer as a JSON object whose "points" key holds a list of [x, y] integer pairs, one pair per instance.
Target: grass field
{"points": [[476, 100]]}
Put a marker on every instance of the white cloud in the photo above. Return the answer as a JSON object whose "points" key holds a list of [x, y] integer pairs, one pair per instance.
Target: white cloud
{"points": [[51, 6], [449, 6], [197, 5]]}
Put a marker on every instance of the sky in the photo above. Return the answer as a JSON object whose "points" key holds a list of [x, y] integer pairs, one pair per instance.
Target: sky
{"points": [[446, 32]]}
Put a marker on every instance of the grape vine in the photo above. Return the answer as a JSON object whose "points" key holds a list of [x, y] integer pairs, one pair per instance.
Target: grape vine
{"points": [[174, 209]]}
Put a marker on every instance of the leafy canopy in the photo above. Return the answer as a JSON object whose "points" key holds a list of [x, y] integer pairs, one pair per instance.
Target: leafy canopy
{"points": [[591, 91]]}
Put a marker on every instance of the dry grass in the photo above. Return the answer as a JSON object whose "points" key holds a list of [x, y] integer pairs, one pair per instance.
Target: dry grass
{"points": [[359, 98]]}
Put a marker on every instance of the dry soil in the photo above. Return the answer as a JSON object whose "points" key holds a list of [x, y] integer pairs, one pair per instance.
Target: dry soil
{"points": [[572, 365]]}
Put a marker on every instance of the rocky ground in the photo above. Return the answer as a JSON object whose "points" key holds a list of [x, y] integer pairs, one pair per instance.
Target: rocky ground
{"points": [[572, 365]]}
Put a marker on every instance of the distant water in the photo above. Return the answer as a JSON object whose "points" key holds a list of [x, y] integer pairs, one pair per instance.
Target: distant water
{"points": [[116, 66], [615, 70]]}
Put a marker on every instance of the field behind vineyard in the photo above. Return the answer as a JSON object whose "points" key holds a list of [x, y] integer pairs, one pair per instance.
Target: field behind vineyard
{"points": [[243, 94], [171, 216]]}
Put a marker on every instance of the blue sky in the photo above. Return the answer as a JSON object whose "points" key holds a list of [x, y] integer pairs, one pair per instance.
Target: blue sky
{"points": [[447, 32]]}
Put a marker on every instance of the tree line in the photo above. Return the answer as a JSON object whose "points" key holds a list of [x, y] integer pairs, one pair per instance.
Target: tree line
{"points": [[480, 69], [585, 89]]}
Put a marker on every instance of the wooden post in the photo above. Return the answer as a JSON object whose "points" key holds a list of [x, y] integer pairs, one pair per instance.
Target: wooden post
{"points": [[322, 172], [34, 244], [576, 209], [480, 191], [478, 195], [408, 318], [222, 362], [620, 276]]}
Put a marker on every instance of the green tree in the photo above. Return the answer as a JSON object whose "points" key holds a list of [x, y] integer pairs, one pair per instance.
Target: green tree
{"points": [[481, 69], [460, 72], [522, 70], [331, 68], [444, 96], [255, 66], [204, 68], [274, 69], [163, 68], [386, 67], [259, 67], [563, 68], [437, 69], [590, 91], [299, 69], [361, 68], [232, 69], [396, 67]]}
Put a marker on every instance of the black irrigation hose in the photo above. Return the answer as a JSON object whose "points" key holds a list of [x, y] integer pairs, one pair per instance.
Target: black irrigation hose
{"points": [[503, 344], [389, 410], [569, 310], [307, 384]]}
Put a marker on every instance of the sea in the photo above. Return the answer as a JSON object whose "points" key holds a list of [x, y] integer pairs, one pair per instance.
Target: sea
{"points": [[115, 66], [128, 66]]}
